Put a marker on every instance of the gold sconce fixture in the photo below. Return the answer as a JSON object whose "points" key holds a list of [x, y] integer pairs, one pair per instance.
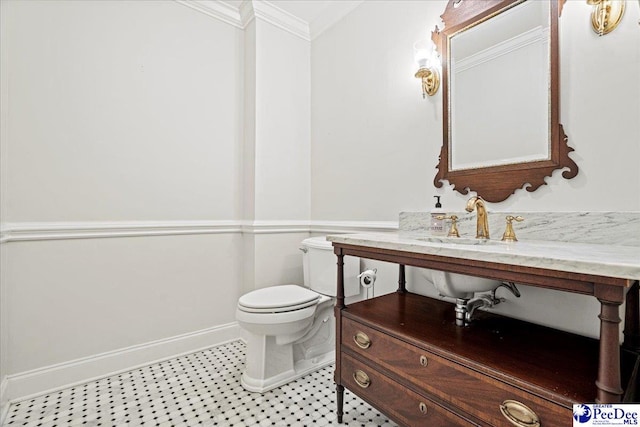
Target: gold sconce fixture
{"points": [[606, 15], [426, 58]]}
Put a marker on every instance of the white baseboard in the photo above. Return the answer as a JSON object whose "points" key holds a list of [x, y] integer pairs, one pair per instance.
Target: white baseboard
{"points": [[51, 378], [4, 404]]}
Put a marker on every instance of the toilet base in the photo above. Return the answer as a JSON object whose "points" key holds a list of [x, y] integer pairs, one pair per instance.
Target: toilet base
{"points": [[303, 367], [270, 365]]}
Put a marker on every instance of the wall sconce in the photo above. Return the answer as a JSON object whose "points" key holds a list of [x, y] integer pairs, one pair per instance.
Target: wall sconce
{"points": [[606, 15], [426, 58]]}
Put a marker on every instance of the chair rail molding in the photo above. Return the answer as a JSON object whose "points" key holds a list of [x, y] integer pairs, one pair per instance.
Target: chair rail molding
{"points": [[37, 231], [32, 231], [327, 227]]}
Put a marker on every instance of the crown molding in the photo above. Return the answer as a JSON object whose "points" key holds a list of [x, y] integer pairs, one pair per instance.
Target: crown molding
{"points": [[240, 16], [282, 19], [246, 12], [216, 9], [249, 10]]}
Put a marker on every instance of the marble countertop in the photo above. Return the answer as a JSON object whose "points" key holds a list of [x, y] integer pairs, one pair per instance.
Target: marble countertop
{"points": [[596, 259]]}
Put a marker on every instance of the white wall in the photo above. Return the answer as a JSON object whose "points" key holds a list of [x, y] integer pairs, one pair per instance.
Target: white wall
{"points": [[277, 145], [282, 125], [83, 297], [140, 99], [376, 142], [4, 87], [119, 119]]}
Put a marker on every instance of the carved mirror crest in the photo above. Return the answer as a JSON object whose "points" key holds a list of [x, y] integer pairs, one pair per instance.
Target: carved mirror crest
{"points": [[501, 96]]}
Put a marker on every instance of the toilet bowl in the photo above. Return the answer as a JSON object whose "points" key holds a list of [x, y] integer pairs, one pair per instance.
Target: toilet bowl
{"points": [[290, 329]]}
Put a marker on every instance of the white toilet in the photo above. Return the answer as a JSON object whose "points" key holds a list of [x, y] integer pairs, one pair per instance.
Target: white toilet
{"points": [[290, 329]]}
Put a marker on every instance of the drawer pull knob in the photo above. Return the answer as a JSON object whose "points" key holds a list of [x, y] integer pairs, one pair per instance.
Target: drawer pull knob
{"points": [[423, 408], [362, 340], [361, 379], [518, 414], [424, 361]]}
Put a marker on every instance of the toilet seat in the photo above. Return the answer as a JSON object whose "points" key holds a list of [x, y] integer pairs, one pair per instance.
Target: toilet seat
{"points": [[278, 299]]}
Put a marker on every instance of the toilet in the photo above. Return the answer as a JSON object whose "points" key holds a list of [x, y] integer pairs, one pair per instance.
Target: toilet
{"points": [[290, 329]]}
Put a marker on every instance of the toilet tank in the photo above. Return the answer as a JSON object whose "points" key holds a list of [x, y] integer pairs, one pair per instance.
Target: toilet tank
{"points": [[320, 268]]}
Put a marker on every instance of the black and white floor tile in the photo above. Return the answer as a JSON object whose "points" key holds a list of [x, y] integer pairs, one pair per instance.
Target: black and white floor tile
{"points": [[199, 389]]}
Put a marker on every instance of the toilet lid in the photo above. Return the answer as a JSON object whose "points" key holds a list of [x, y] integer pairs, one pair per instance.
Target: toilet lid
{"points": [[278, 298]]}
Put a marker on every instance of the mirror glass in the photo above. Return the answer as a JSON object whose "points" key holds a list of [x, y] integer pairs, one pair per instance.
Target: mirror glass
{"points": [[501, 97], [499, 89]]}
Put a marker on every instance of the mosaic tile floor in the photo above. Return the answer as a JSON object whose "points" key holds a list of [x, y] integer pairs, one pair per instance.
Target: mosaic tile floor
{"points": [[199, 389]]}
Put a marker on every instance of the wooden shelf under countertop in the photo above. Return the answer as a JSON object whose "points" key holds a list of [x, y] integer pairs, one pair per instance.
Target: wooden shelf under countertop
{"points": [[555, 365]]}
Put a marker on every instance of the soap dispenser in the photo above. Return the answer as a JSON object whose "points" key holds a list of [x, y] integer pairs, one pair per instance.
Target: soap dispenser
{"points": [[437, 225]]}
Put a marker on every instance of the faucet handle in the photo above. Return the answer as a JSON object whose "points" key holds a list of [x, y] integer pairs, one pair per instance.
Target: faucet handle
{"points": [[453, 231], [510, 235]]}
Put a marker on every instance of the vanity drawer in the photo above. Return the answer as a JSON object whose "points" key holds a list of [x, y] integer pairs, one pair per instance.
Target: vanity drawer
{"points": [[401, 404], [462, 387]]}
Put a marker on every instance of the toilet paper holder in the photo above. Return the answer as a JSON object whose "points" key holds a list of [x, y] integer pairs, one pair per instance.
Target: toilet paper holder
{"points": [[368, 278]]}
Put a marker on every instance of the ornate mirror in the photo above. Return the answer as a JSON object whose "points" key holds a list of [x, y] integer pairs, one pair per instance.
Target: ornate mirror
{"points": [[501, 93]]}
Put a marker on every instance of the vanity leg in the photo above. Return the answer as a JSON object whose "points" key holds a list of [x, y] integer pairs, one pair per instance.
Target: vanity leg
{"points": [[340, 401], [401, 280], [632, 319], [340, 285], [338, 313], [609, 381]]}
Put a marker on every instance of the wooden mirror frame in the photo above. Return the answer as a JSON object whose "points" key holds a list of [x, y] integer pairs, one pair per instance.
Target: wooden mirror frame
{"points": [[497, 183]]}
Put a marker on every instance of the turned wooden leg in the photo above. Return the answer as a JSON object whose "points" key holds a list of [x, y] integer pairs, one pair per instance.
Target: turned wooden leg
{"points": [[609, 382], [632, 319], [401, 280], [338, 312], [340, 401], [340, 285]]}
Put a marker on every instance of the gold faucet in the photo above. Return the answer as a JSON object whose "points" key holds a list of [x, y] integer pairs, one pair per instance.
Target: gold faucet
{"points": [[482, 225]]}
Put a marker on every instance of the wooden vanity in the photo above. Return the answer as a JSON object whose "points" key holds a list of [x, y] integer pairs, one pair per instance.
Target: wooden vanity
{"points": [[403, 353]]}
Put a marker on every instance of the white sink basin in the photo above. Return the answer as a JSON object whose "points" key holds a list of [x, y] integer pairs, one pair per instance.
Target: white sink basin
{"points": [[459, 285]]}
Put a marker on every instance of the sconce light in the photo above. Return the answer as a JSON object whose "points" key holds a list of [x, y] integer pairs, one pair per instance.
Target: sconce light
{"points": [[606, 15], [425, 56]]}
